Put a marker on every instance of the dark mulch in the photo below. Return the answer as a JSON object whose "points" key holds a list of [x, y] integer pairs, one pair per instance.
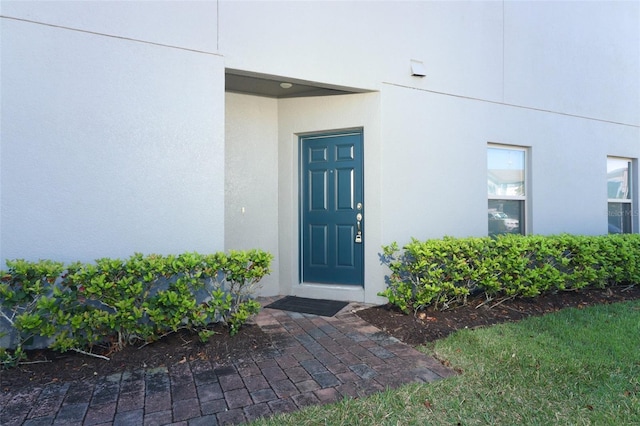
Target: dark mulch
{"points": [[49, 366], [428, 325]]}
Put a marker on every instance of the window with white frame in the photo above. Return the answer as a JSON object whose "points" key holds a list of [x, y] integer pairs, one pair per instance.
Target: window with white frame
{"points": [[506, 188], [619, 194]]}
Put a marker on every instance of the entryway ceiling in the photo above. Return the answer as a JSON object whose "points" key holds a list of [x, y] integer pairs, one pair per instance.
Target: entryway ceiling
{"points": [[271, 86]]}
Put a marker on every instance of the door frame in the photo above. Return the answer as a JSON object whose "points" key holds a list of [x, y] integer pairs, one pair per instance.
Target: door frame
{"points": [[300, 207]]}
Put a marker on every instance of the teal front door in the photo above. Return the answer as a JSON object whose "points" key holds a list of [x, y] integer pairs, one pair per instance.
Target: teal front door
{"points": [[332, 208]]}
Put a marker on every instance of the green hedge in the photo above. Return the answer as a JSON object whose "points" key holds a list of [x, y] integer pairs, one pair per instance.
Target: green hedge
{"points": [[446, 272], [122, 301]]}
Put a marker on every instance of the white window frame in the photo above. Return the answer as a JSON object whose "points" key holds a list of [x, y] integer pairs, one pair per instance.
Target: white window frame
{"points": [[630, 189], [524, 228]]}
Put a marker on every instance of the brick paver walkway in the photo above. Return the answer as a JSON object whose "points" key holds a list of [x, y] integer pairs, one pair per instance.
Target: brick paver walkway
{"points": [[314, 360]]}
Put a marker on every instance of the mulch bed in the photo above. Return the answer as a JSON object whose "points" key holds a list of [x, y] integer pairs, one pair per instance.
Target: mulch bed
{"points": [[47, 366], [429, 324]]}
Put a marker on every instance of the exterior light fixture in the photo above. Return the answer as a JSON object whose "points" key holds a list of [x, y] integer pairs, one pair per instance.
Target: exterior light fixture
{"points": [[286, 85], [417, 68]]}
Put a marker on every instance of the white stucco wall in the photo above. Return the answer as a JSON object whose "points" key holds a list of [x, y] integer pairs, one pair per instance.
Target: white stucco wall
{"points": [[576, 58], [110, 145], [365, 43], [435, 166], [113, 120], [579, 57], [559, 78], [251, 179], [184, 24]]}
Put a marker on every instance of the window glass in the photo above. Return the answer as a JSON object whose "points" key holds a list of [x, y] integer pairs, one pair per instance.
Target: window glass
{"points": [[618, 178], [506, 216], [506, 172], [619, 194], [506, 189], [619, 218]]}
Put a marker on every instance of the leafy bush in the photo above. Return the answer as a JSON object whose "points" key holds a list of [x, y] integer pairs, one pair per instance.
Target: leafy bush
{"points": [[22, 286], [123, 301], [445, 272]]}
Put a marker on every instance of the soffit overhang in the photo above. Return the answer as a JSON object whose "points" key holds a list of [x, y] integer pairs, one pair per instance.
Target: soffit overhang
{"points": [[251, 83]]}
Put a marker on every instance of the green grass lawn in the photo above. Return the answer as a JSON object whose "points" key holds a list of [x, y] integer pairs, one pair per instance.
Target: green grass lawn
{"points": [[574, 367]]}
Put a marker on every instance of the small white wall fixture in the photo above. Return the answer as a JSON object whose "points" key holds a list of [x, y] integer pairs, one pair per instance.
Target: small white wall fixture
{"points": [[418, 69]]}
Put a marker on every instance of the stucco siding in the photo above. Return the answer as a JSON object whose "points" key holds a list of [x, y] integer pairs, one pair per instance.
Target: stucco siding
{"points": [[183, 24], [251, 179], [436, 153], [109, 146], [118, 136], [579, 58], [576, 58]]}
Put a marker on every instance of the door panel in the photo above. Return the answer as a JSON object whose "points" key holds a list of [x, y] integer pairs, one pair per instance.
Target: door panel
{"points": [[344, 189], [318, 190], [331, 189]]}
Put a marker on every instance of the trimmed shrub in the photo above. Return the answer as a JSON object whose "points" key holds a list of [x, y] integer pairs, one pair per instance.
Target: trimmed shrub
{"points": [[122, 301], [444, 272]]}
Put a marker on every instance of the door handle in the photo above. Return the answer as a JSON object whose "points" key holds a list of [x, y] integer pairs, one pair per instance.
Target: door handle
{"points": [[359, 229]]}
